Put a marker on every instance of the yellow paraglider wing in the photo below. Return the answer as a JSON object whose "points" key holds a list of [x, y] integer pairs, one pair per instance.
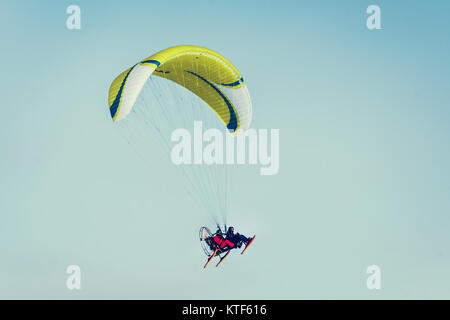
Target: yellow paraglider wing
{"points": [[204, 72]]}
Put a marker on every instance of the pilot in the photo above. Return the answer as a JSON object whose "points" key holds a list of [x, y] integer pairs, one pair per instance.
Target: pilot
{"points": [[221, 241], [237, 239]]}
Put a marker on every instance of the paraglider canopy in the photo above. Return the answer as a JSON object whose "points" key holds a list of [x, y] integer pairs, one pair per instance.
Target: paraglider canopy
{"points": [[204, 72]]}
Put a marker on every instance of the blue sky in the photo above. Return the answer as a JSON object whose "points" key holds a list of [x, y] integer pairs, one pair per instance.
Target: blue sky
{"points": [[364, 176]]}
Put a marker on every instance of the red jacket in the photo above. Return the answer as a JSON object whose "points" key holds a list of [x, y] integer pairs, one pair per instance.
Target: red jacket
{"points": [[222, 242]]}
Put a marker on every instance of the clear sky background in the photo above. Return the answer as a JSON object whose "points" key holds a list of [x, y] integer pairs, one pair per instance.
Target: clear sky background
{"points": [[364, 152]]}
